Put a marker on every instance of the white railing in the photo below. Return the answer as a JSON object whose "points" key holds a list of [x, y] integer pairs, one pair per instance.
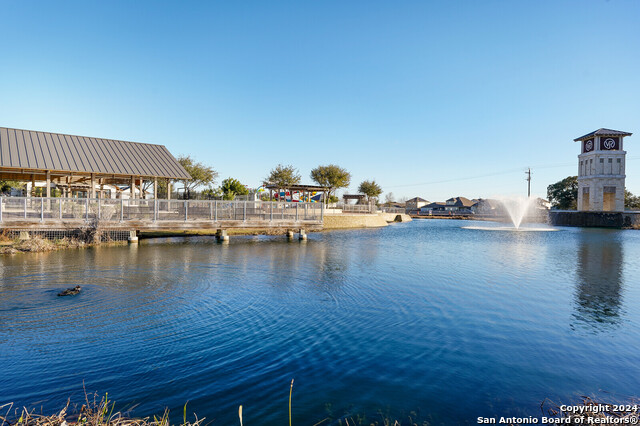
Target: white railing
{"points": [[121, 210], [392, 210], [357, 208]]}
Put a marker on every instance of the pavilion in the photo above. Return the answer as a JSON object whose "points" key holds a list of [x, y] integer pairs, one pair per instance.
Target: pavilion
{"points": [[84, 162]]}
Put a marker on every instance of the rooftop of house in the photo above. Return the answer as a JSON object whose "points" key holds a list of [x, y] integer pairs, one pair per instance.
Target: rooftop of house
{"points": [[460, 202]]}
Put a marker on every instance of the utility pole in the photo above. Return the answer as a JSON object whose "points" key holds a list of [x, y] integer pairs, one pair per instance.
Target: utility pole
{"points": [[528, 173]]}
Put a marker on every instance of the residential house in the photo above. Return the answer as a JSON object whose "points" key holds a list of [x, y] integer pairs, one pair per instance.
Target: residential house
{"points": [[459, 204], [413, 205]]}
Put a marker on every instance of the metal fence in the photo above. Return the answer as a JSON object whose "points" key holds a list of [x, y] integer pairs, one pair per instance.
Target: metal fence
{"points": [[357, 208], [121, 210], [392, 210]]}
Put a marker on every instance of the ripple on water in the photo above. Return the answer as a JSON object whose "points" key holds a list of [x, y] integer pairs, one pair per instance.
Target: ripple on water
{"points": [[417, 315]]}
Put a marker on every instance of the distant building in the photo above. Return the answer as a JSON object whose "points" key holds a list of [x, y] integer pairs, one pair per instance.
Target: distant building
{"points": [[414, 204], [488, 206], [601, 171], [541, 203], [432, 207], [458, 204]]}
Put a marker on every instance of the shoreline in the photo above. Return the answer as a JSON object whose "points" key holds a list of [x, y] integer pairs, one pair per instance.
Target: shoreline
{"points": [[38, 244], [102, 411]]}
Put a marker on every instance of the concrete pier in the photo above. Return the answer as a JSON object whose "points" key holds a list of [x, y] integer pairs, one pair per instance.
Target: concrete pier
{"points": [[302, 234], [222, 235], [133, 237]]}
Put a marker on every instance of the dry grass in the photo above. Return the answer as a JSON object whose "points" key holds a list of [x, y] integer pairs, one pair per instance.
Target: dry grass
{"points": [[39, 245], [95, 412], [5, 238], [101, 412]]}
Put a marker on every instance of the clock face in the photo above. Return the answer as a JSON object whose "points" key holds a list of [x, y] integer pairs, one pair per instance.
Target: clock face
{"points": [[609, 144], [588, 145]]}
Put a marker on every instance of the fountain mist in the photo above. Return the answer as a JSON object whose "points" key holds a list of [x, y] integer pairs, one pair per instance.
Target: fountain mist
{"points": [[517, 208]]}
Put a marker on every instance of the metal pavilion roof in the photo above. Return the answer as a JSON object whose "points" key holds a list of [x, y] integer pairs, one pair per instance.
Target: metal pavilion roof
{"points": [[34, 150]]}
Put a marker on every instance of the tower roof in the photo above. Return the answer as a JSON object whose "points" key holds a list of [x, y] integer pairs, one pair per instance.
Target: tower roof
{"points": [[602, 132]]}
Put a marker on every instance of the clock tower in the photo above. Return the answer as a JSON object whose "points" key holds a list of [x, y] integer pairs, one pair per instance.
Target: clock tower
{"points": [[601, 171]]}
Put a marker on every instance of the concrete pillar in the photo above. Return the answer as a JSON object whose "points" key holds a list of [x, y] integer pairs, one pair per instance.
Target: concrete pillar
{"points": [[290, 235], [133, 188], [168, 189], [222, 235], [303, 234], [92, 191], [48, 193], [48, 184], [133, 237], [155, 188]]}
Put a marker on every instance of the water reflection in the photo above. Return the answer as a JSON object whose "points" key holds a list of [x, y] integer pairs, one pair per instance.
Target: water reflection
{"points": [[598, 295]]}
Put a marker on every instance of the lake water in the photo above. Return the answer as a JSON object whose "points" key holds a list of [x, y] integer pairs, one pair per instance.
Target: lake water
{"points": [[428, 316]]}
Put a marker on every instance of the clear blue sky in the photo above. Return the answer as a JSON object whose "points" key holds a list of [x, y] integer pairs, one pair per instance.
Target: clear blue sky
{"points": [[408, 93]]}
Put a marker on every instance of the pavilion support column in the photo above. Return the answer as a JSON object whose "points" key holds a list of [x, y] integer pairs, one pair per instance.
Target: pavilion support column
{"points": [[133, 188], [155, 188], [48, 184], [92, 191], [33, 185], [168, 194], [48, 193]]}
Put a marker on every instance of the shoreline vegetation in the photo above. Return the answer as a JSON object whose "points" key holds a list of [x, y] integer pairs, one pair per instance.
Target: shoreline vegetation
{"points": [[102, 412], [37, 244]]}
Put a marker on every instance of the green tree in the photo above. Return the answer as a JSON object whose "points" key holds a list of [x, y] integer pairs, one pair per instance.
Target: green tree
{"points": [[331, 176], [232, 187], [563, 195], [631, 201], [283, 176], [201, 175], [370, 188], [6, 185], [211, 193]]}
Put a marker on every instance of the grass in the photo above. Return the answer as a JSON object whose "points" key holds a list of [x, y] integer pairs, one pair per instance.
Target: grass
{"points": [[101, 412], [38, 245], [95, 412]]}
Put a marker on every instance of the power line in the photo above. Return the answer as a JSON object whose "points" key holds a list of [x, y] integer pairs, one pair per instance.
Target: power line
{"points": [[504, 172]]}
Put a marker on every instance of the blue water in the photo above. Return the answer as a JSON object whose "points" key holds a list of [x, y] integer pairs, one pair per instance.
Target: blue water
{"points": [[452, 323]]}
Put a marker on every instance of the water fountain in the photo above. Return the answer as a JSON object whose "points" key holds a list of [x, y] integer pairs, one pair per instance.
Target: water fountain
{"points": [[516, 209]]}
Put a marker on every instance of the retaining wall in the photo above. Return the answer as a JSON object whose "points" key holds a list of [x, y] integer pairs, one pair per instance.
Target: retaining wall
{"points": [[595, 219], [346, 221]]}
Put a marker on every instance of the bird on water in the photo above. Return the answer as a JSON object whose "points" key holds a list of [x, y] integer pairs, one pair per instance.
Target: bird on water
{"points": [[71, 291]]}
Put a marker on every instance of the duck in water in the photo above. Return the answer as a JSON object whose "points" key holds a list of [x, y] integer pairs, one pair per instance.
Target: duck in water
{"points": [[71, 291]]}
